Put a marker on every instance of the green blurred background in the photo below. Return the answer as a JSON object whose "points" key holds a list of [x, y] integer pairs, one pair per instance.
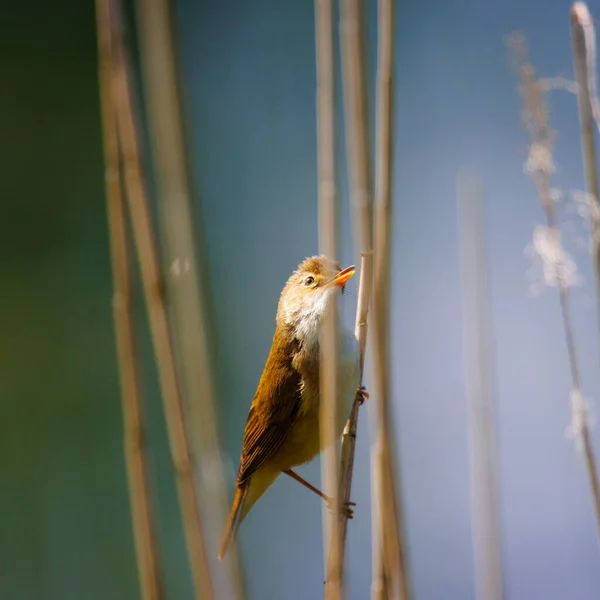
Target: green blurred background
{"points": [[65, 531]]}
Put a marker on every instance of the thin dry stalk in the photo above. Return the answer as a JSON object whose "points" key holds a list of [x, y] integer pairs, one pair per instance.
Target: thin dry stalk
{"points": [[478, 353], [354, 97], [184, 260], [585, 70], [136, 459], [536, 120], [328, 245], [586, 118], [386, 572], [384, 453], [354, 86], [153, 291], [349, 435]]}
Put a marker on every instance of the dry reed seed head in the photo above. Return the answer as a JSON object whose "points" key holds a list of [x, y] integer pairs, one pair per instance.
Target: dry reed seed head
{"points": [[582, 415], [539, 159], [586, 206], [556, 266], [550, 84], [556, 195]]}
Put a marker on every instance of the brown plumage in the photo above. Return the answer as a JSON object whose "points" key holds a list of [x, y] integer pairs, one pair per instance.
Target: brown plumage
{"points": [[282, 429], [274, 408]]}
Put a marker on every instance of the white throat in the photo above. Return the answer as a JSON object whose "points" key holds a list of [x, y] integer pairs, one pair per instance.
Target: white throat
{"points": [[308, 324]]}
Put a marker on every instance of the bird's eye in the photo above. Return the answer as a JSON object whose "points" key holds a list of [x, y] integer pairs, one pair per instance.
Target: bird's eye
{"points": [[309, 281]]}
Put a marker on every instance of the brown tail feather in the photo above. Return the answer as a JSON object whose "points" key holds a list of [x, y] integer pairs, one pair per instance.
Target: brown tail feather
{"points": [[233, 521]]}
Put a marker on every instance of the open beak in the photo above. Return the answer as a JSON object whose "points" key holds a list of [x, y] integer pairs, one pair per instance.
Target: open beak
{"points": [[342, 277]]}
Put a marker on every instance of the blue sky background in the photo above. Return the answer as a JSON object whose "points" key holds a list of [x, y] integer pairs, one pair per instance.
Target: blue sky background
{"points": [[249, 97]]}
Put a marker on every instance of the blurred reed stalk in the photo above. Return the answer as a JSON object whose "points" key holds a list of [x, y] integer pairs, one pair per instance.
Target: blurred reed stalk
{"points": [[328, 245], [581, 20], [187, 283], [153, 285], [540, 166], [136, 458], [485, 513], [389, 566], [387, 477]]}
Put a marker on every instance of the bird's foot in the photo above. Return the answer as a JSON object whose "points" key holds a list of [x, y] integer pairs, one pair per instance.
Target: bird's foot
{"points": [[345, 510], [362, 395]]}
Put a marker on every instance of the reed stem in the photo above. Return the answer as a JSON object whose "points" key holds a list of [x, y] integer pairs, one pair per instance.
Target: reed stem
{"points": [[349, 435], [390, 527], [581, 20], [357, 151], [134, 442], [153, 286], [328, 245], [187, 280], [479, 374]]}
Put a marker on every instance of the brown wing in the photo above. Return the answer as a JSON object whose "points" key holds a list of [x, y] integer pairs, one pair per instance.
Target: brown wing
{"points": [[274, 408]]}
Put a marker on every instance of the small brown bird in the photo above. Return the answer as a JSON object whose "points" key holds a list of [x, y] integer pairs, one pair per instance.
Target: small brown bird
{"points": [[282, 430]]}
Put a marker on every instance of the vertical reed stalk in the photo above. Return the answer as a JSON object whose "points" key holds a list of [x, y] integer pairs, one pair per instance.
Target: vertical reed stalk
{"points": [[184, 259], [136, 459], [354, 99], [536, 120], [349, 435], [388, 552], [485, 519], [390, 525], [586, 77], [328, 245], [153, 282]]}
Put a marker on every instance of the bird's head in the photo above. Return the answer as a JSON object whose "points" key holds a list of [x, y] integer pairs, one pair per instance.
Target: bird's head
{"points": [[305, 298]]}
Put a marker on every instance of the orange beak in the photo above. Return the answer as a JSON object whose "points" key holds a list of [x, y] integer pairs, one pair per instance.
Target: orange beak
{"points": [[342, 277]]}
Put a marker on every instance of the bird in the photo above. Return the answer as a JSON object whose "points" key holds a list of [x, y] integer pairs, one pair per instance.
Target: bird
{"points": [[282, 428]]}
